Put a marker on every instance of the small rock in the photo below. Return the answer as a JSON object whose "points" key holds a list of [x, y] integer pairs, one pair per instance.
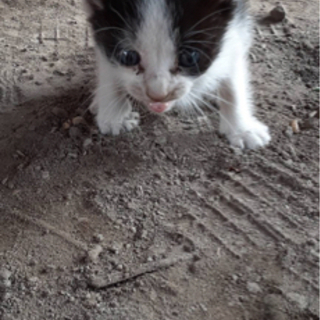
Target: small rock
{"points": [[59, 73], [300, 300], [307, 45], [33, 281], [115, 248], [253, 287], [5, 278], [98, 238], [273, 308], [277, 14], [119, 267], [66, 126], [75, 133], [78, 120], [295, 126], [161, 140], [90, 301], [87, 142], [32, 262], [45, 175], [203, 307], [314, 114], [60, 113], [235, 278], [94, 253], [73, 155]]}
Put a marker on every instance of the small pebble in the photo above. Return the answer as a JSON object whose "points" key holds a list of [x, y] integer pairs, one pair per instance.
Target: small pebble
{"points": [[98, 238], [73, 155], [119, 267], [5, 278], [273, 307], [78, 120], [253, 287], [277, 14], [288, 132], [295, 126], [301, 301], [66, 126], [94, 253], [314, 114], [203, 307], [33, 281], [87, 142], [90, 301], [45, 175]]}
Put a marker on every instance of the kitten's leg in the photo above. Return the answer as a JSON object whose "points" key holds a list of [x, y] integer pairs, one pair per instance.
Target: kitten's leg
{"points": [[114, 113], [237, 121], [112, 108]]}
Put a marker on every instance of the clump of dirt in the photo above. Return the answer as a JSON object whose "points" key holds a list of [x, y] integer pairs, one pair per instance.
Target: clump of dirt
{"points": [[166, 222]]}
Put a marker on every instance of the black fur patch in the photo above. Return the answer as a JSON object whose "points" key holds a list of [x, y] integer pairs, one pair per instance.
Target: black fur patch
{"points": [[196, 24], [119, 19], [200, 25]]}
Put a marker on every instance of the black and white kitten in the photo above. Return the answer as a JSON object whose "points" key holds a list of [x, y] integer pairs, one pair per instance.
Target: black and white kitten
{"points": [[174, 53]]}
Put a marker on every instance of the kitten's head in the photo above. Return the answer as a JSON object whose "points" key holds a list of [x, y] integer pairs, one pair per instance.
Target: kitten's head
{"points": [[160, 47]]}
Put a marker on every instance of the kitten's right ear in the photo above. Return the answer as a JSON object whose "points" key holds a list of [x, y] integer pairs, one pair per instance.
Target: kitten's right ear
{"points": [[91, 6]]}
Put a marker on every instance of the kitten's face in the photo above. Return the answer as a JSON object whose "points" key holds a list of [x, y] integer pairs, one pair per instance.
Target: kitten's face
{"points": [[159, 48]]}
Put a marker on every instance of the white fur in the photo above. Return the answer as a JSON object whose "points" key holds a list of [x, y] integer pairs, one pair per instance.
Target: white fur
{"points": [[226, 79]]}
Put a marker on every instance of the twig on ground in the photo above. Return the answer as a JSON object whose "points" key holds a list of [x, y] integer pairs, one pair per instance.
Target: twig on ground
{"points": [[44, 225], [100, 282]]}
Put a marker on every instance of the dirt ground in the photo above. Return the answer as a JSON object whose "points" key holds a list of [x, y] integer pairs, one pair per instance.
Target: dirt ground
{"points": [[167, 222]]}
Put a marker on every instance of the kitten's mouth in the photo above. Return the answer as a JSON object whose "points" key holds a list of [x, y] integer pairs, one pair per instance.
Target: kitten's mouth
{"points": [[158, 107]]}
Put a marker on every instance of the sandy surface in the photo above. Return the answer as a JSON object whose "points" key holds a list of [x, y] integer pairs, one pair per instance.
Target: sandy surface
{"points": [[169, 218]]}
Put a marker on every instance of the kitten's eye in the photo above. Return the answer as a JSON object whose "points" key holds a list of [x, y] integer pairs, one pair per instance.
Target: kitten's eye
{"points": [[188, 59], [129, 58]]}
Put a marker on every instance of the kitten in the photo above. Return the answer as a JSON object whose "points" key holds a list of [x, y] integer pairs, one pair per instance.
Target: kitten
{"points": [[174, 53]]}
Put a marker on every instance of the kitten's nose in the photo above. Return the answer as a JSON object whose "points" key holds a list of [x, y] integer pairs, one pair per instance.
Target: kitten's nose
{"points": [[156, 97]]}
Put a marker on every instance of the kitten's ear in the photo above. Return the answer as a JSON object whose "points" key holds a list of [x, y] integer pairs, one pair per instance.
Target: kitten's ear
{"points": [[91, 6]]}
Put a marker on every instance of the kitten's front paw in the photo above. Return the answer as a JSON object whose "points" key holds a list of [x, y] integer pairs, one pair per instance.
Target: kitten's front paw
{"points": [[128, 123], [252, 134]]}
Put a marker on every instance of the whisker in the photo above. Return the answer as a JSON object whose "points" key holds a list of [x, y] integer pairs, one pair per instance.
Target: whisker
{"points": [[216, 97], [115, 112], [108, 28], [200, 41], [217, 111], [121, 17], [207, 17], [193, 33], [200, 50], [98, 89], [119, 90]]}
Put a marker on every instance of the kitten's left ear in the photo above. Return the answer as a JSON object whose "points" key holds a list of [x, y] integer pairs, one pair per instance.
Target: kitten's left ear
{"points": [[91, 6]]}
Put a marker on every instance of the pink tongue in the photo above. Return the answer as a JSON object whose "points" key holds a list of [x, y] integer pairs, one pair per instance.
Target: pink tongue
{"points": [[158, 107]]}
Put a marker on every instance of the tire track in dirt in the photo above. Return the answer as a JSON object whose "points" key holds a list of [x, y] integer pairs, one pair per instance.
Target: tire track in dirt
{"points": [[276, 193], [239, 196]]}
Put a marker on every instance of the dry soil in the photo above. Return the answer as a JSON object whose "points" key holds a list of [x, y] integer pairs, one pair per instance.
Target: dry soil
{"points": [[167, 222]]}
